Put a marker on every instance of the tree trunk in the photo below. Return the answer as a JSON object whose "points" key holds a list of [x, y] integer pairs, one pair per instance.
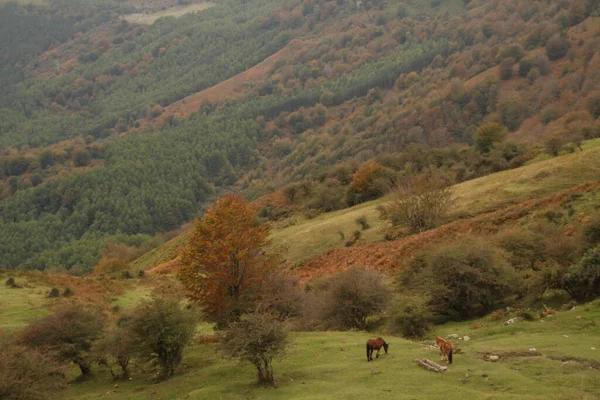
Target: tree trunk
{"points": [[261, 374], [268, 374]]}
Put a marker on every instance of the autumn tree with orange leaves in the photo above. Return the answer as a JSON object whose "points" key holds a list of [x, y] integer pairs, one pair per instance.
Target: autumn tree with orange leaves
{"points": [[224, 258]]}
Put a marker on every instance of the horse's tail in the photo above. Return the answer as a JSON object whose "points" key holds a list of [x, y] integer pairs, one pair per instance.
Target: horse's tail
{"points": [[450, 356]]}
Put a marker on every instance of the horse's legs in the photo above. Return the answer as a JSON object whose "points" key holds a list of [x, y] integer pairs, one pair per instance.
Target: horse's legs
{"points": [[377, 356]]}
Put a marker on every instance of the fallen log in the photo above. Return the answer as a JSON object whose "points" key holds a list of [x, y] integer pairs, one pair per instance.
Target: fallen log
{"points": [[430, 365]]}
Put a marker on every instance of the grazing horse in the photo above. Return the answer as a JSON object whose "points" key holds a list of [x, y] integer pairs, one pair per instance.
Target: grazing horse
{"points": [[446, 348], [375, 344]]}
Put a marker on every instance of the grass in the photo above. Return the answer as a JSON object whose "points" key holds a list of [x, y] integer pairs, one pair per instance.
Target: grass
{"points": [[303, 239], [20, 305], [177, 11], [131, 298], [332, 365], [309, 238]]}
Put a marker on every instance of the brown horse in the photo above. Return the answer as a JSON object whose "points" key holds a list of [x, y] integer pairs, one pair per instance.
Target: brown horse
{"points": [[446, 348], [375, 344]]}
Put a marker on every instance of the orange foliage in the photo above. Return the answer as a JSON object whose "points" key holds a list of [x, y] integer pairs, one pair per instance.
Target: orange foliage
{"points": [[364, 178], [109, 266], [224, 256]]}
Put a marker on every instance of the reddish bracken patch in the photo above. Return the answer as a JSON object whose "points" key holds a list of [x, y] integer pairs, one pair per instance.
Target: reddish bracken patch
{"points": [[390, 257]]}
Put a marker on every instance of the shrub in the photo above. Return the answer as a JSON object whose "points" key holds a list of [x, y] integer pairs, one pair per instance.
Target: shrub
{"points": [[69, 333], [281, 295], [420, 202], [353, 296], [371, 181], [557, 47], [162, 330], [67, 292], [363, 223], [487, 135], [591, 232], [27, 374], [256, 338], [525, 248], [583, 278], [81, 158], [54, 292], [10, 282], [593, 104], [117, 346], [549, 113], [553, 146], [409, 321], [464, 279], [526, 315]]}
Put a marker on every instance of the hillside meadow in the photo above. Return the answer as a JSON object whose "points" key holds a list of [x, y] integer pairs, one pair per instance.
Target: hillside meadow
{"points": [[299, 239], [552, 358]]}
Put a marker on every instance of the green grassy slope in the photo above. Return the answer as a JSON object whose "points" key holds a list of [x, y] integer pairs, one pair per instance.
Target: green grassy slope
{"points": [[332, 365], [18, 306], [302, 239]]}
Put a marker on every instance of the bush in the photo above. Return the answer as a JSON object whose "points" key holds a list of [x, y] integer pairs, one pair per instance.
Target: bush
{"points": [[526, 315], [525, 248], [583, 279], [353, 296], [162, 330], [256, 338], [363, 223], [487, 135], [27, 374], [557, 47], [591, 232], [281, 295], [466, 279], [67, 292], [549, 113], [10, 282], [117, 346], [553, 146], [68, 333], [421, 202], [54, 292], [409, 321]]}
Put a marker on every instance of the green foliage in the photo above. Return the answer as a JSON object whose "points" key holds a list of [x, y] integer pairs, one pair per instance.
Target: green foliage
{"points": [[487, 135], [256, 338], [553, 146], [525, 248], [557, 47], [117, 346], [506, 68], [583, 279], [353, 296], [69, 333], [162, 330], [591, 231], [408, 320], [463, 279]]}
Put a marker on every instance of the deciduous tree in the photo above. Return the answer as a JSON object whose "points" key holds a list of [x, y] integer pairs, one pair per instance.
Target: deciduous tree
{"points": [[225, 255]]}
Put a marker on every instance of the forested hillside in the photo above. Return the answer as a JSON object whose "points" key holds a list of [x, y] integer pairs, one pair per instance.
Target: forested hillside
{"points": [[373, 92]]}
